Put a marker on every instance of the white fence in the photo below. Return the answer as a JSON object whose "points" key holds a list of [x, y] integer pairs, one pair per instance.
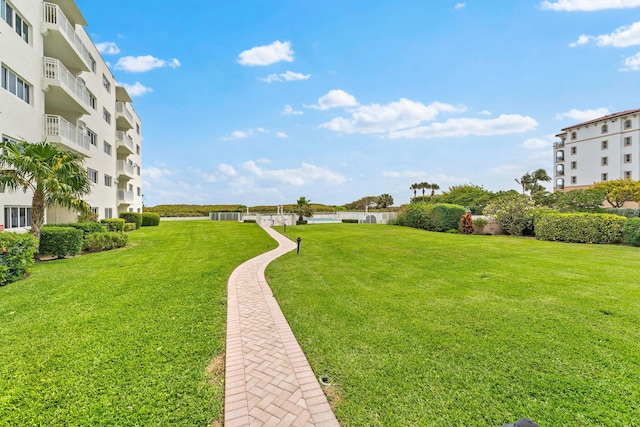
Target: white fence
{"points": [[290, 219]]}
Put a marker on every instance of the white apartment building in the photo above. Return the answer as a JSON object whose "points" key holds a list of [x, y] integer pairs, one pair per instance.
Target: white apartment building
{"points": [[598, 150], [57, 87]]}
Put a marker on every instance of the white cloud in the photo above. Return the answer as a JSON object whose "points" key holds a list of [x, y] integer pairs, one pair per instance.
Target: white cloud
{"points": [[156, 172], [632, 63], [242, 134], [376, 118], [304, 175], [288, 77], [289, 111], [203, 176], [108, 48], [282, 135], [503, 125], [459, 6], [506, 169], [536, 143], [334, 99], [583, 115], [227, 170], [141, 64], [485, 113], [624, 36], [267, 55], [137, 89], [588, 5]]}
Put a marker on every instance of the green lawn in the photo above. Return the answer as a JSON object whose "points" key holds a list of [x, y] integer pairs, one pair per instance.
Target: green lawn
{"points": [[427, 329], [123, 337]]}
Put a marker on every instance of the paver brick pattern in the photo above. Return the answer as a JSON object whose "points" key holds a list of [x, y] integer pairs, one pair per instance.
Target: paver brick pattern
{"points": [[268, 381]]}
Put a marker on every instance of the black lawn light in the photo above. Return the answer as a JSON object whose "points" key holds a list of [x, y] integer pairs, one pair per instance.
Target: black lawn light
{"points": [[522, 422], [298, 240]]}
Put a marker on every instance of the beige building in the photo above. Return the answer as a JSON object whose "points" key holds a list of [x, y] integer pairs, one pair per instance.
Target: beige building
{"points": [[57, 87], [598, 150]]}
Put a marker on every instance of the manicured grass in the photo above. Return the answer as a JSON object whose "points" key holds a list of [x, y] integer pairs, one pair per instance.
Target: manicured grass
{"points": [[427, 329], [123, 337]]}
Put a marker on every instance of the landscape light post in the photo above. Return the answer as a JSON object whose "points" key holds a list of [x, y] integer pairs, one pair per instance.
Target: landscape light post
{"points": [[298, 240]]}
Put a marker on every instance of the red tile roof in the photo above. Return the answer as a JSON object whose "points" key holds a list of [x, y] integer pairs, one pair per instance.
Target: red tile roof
{"points": [[608, 117]]}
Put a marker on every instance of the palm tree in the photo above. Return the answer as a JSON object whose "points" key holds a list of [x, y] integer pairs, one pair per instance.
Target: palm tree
{"points": [[424, 185], [525, 181], [433, 188], [414, 187], [302, 208], [531, 181], [384, 201], [55, 176]]}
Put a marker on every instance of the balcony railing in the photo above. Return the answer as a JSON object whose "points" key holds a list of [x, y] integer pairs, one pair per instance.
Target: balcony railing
{"points": [[55, 70], [54, 15], [558, 144], [125, 196], [122, 139], [56, 126], [122, 109], [124, 167]]}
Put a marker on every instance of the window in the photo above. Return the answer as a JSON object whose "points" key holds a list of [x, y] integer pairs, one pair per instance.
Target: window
{"points": [[95, 211], [604, 129], [93, 102], [574, 165], [131, 188], [604, 145], [106, 83], [604, 177], [138, 170], [604, 161], [574, 150], [574, 135], [107, 180], [138, 149], [627, 141], [627, 174], [92, 63], [15, 84], [139, 192], [106, 115], [627, 124], [17, 216], [107, 148], [574, 179], [138, 128], [93, 175], [627, 158], [93, 138], [130, 209], [15, 21], [108, 212]]}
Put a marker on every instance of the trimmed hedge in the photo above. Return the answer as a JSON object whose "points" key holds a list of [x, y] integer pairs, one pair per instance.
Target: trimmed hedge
{"points": [[349, 221], [150, 219], [433, 217], [129, 226], [86, 227], [113, 224], [60, 241], [627, 212], [97, 242], [631, 231], [16, 256], [580, 227], [132, 217]]}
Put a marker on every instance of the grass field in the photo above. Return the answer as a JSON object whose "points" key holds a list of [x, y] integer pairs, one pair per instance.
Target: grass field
{"points": [[123, 338], [427, 329]]}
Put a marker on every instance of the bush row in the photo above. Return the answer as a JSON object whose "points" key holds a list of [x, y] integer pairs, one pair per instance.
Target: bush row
{"points": [[60, 241], [432, 217], [86, 227], [150, 219], [98, 242], [132, 218], [113, 224], [16, 256]]}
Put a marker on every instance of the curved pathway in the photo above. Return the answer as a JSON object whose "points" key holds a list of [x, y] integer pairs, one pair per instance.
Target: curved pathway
{"points": [[268, 381]]}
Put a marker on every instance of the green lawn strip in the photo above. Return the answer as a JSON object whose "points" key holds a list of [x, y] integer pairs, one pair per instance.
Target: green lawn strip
{"points": [[434, 329], [123, 337]]}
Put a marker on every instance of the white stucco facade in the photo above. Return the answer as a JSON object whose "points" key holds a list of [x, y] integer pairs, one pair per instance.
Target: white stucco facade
{"points": [[57, 87], [598, 150]]}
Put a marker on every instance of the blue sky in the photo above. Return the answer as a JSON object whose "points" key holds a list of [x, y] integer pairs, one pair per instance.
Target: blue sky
{"points": [[261, 102]]}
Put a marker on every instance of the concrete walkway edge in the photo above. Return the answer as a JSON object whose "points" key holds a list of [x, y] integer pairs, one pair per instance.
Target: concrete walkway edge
{"points": [[268, 380]]}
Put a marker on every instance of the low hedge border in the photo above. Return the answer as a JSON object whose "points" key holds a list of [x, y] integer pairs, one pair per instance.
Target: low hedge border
{"points": [[580, 227], [132, 217], [16, 256], [150, 219], [113, 224], [60, 241]]}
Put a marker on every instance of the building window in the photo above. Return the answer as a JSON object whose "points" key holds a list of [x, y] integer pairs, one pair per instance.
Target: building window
{"points": [[604, 177], [17, 216], [138, 149], [574, 179], [107, 180], [627, 141], [15, 84], [93, 102], [108, 212], [95, 212], [574, 165], [93, 175], [138, 128], [604, 129], [15, 21], [604, 161], [107, 148], [574, 135], [93, 137], [604, 145], [106, 115], [627, 124], [138, 170], [106, 83], [627, 158], [92, 63], [574, 150], [139, 191], [627, 174]]}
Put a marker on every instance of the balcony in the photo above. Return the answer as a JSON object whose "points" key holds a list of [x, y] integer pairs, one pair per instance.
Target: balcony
{"points": [[124, 117], [61, 40], [124, 143], [59, 131], [125, 170], [125, 197], [559, 156], [560, 184], [558, 144], [65, 92]]}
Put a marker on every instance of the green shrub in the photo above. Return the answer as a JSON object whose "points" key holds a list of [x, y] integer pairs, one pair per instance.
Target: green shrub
{"points": [[466, 224], [631, 231], [301, 222], [60, 241], [349, 221], [512, 212], [129, 226], [86, 227], [626, 212], [417, 215], [150, 219], [113, 224], [16, 256], [578, 227], [133, 218], [97, 242], [445, 216], [249, 221], [480, 223]]}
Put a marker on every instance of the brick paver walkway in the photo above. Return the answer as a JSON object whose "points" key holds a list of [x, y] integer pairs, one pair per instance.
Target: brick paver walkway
{"points": [[268, 380]]}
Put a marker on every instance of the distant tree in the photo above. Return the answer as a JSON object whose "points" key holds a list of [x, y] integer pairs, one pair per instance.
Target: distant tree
{"points": [[361, 204], [513, 212], [415, 187], [530, 182], [384, 201], [619, 191], [303, 208], [475, 197], [433, 188], [424, 186], [587, 200]]}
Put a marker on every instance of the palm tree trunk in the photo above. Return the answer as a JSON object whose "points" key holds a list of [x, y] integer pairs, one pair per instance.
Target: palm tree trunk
{"points": [[37, 212]]}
